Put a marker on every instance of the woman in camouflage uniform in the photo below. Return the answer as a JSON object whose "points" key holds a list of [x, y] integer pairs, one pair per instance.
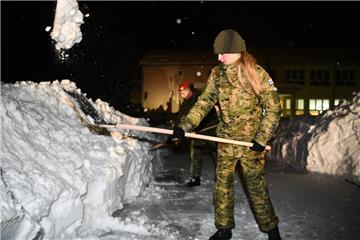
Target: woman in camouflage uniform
{"points": [[249, 111]]}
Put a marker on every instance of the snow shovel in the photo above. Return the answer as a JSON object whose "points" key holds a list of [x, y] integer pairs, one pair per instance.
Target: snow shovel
{"points": [[170, 132], [84, 109], [157, 146]]}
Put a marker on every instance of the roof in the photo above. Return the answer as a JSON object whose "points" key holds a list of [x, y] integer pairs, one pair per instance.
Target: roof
{"points": [[306, 55], [262, 55]]}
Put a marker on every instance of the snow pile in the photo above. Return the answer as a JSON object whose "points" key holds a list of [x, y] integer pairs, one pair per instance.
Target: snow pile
{"points": [[68, 18], [59, 180], [329, 143], [335, 144], [290, 140]]}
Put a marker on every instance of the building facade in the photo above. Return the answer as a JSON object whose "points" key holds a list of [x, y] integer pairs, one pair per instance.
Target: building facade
{"points": [[309, 81]]}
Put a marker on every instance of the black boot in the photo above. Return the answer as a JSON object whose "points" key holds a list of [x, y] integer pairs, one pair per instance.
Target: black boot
{"points": [[222, 234], [274, 234], [194, 181]]}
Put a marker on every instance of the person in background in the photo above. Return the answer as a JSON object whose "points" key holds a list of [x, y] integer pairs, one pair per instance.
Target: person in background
{"points": [[250, 111], [189, 95]]}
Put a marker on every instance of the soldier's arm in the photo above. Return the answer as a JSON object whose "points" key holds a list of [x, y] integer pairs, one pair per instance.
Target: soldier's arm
{"points": [[203, 105], [182, 111], [270, 102]]}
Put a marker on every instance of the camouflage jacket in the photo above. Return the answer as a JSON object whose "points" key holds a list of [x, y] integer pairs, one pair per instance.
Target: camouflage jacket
{"points": [[243, 115]]}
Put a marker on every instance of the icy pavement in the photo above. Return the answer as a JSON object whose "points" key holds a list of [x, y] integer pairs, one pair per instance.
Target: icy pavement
{"points": [[308, 206]]}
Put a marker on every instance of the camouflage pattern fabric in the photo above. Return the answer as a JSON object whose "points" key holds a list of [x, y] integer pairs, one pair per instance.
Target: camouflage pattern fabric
{"points": [[196, 154], [209, 120], [243, 116], [241, 111], [196, 157], [252, 177]]}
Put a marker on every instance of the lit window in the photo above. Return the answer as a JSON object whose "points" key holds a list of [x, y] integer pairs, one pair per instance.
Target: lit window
{"points": [[312, 104], [326, 104], [299, 107], [299, 104], [288, 104], [317, 106], [299, 112], [338, 101], [314, 112], [285, 101]]}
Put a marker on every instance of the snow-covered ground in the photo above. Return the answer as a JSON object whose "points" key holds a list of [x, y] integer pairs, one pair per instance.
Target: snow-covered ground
{"points": [[62, 180], [312, 206]]}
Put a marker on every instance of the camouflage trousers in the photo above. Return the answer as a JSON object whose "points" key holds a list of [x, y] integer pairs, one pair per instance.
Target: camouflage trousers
{"points": [[198, 150], [196, 157], [252, 177]]}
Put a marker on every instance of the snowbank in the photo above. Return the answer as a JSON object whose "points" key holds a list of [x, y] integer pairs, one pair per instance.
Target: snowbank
{"points": [[58, 178], [329, 143], [289, 144]]}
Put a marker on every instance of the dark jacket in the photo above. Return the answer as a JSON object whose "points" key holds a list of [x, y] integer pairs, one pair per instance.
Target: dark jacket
{"points": [[209, 120]]}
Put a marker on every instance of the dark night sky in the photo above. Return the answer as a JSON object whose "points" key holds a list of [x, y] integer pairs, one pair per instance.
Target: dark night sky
{"points": [[118, 33]]}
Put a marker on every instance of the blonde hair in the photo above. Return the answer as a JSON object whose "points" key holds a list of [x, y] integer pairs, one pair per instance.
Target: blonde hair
{"points": [[247, 74]]}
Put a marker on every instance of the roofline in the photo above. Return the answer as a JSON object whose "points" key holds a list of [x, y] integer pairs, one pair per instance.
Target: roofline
{"points": [[170, 57]]}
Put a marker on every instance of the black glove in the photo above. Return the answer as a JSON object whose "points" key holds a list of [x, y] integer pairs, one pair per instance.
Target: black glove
{"points": [[257, 147], [178, 133]]}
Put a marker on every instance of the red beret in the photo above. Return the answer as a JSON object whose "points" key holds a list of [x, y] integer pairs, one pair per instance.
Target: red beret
{"points": [[185, 84]]}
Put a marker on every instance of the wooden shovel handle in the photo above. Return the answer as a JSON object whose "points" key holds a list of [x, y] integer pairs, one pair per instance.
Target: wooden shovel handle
{"points": [[190, 135]]}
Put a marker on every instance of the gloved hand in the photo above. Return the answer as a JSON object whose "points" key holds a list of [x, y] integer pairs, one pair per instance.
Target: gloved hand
{"points": [[257, 147], [178, 133]]}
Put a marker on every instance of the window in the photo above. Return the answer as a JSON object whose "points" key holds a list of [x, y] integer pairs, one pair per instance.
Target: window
{"points": [[299, 107], [294, 76], [317, 106], [285, 101], [288, 104], [320, 77], [338, 101], [345, 77]]}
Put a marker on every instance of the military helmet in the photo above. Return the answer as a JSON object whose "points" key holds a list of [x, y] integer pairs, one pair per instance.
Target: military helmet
{"points": [[229, 41]]}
